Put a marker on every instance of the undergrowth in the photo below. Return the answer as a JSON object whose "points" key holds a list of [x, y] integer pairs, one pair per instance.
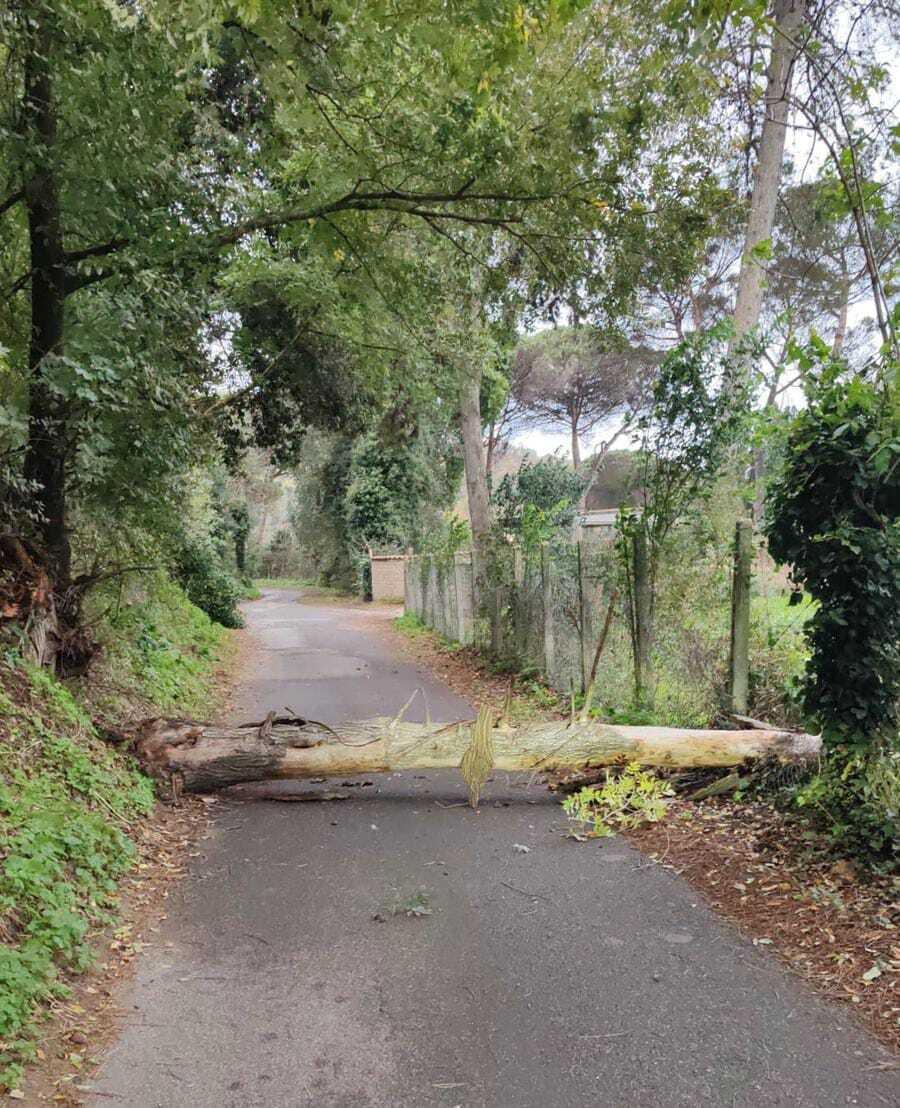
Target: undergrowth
{"points": [[159, 651], [411, 625], [208, 583], [68, 801]]}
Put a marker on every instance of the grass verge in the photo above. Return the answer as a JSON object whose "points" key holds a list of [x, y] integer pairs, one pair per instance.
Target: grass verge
{"points": [[70, 805]]}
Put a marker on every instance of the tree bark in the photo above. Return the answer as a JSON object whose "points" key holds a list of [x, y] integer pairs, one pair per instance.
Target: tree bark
{"points": [[576, 449], [840, 334], [642, 619], [45, 458], [476, 478], [789, 16], [26, 598], [201, 758], [489, 447]]}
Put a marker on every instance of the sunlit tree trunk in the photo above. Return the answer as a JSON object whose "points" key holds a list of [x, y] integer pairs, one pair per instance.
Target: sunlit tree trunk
{"points": [[789, 18]]}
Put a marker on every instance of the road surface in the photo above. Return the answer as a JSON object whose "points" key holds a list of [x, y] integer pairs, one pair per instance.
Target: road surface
{"points": [[570, 975]]}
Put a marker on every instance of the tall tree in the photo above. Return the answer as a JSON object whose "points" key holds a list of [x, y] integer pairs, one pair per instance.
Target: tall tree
{"points": [[789, 19], [179, 169], [340, 157], [579, 379]]}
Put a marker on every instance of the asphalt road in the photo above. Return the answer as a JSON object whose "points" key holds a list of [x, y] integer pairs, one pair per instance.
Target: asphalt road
{"points": [[571, 975]]}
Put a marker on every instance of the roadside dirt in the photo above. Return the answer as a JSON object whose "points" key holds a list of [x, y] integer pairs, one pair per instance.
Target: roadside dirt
{"points": [[469, 673]]}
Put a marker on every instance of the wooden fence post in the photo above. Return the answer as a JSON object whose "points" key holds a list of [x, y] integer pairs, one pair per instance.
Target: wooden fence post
{"points": [[547, 598], [740, 616]]}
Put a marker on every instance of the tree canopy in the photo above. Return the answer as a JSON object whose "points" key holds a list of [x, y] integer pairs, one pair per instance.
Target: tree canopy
{"points": [[579, 378]]}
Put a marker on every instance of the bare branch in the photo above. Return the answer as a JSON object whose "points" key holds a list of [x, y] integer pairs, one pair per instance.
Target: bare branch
{"points": [[100, 251]]}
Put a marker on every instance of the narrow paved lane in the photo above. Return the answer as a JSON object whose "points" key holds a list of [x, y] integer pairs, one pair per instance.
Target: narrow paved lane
{"points": [[569, 975]]}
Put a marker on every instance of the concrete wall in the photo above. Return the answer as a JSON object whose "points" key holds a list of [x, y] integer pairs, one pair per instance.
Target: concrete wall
{"points": [[440, 593], [389, 576]]}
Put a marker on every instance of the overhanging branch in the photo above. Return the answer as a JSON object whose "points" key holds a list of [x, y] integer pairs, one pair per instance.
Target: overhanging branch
{"points": [[100, 251], [393, 200], [11, 200]]}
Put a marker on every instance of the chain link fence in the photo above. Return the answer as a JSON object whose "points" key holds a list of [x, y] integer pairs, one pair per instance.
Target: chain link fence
{"points": [[544, 611]]}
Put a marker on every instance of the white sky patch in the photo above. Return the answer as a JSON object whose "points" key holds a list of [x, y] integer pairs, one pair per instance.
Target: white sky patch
{"points": [[545, 441]]}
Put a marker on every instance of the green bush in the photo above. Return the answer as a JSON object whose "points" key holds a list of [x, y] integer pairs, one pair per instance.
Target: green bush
{"points": [[629, 796], [859, 799], [208, 585], [537, 504], [834, 518], [68, 800]]}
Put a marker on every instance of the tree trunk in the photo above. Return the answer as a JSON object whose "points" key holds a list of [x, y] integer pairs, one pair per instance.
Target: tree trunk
{"points": [[26, 598], [840, 334], [45, 458], [476, 478], [201, 758], [489, 446], [789, 16], [595, 469], [642, 619], [576, 449]]}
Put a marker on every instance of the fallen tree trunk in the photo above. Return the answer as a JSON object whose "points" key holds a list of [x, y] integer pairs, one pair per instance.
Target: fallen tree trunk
{"points": [[200, 757]]}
